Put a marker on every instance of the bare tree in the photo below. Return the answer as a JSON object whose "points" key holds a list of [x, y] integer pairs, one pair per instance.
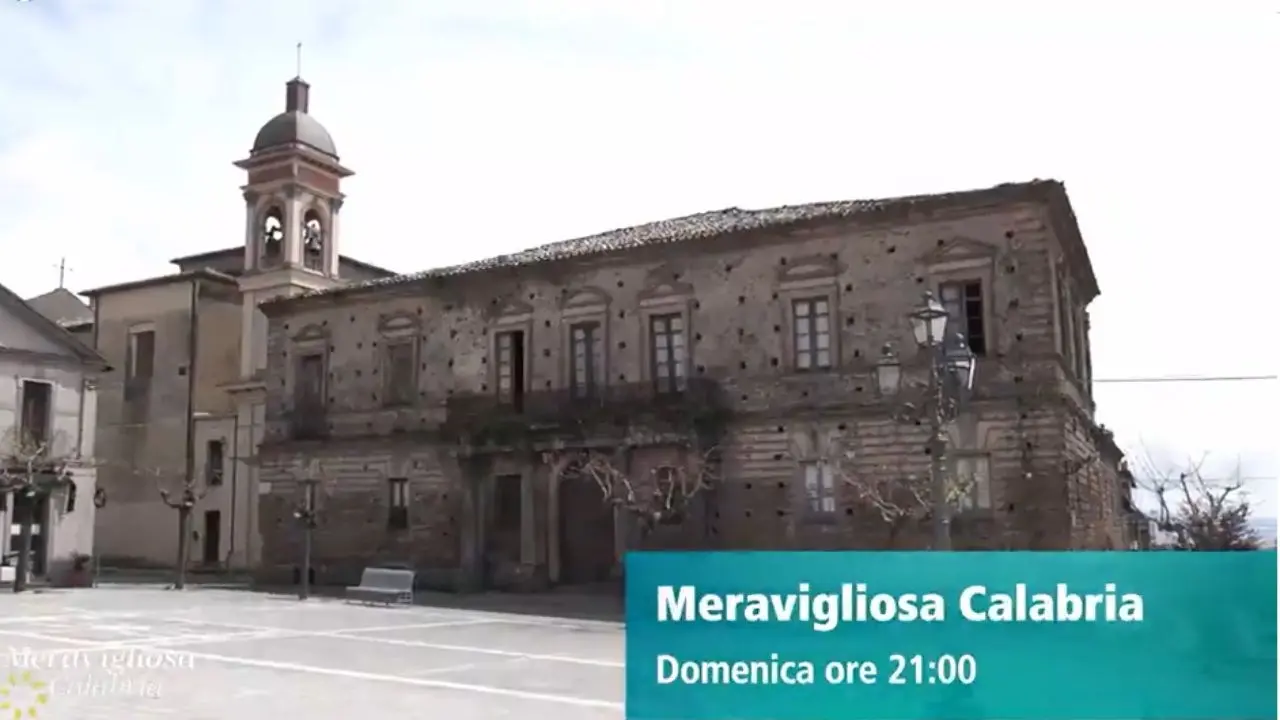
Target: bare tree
{"points": [[179, 493], [307, 510], [663, 496], [1197, 513], [900, 498], [30, 470]]}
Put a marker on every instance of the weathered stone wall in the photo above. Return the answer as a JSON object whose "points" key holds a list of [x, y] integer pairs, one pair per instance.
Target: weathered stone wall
{"points": [[354, 503], [735, 296]]}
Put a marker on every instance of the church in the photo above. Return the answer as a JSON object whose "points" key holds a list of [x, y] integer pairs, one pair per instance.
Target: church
{"points": [[189, 350]]}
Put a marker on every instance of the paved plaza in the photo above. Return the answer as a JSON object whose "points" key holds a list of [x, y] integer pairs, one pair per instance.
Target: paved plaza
{"points": [[206, 654]]}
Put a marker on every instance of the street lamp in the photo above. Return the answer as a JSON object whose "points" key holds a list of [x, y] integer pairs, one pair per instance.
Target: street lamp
{"points": [[306, 514], [888, 371], [951, 372], [929, 321]]}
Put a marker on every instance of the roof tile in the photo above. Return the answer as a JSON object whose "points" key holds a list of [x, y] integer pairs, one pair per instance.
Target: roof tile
{"points": [[695, 227]]}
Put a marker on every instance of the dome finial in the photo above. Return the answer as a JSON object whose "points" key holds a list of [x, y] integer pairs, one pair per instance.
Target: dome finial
{"points": [[298, 52]]}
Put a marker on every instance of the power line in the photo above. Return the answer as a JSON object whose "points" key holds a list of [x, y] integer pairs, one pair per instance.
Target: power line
{"points": [[1187, 379]]}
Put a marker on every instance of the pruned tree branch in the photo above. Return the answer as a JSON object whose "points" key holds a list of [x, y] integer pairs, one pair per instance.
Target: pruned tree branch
{"points": [[662, 497], [897, 496], [29, 463], [1196, 513]]}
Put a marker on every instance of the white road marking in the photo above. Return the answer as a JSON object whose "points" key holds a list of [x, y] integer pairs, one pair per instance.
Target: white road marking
{"points": [[480, 650], [90, 646], [418, 682], [351, 634]]}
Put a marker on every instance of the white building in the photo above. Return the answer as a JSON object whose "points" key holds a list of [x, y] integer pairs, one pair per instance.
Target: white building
{"points": [[47, 407]]}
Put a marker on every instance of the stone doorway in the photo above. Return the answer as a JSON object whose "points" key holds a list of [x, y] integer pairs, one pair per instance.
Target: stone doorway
{"points": [[504, 531], [39, 506], [587, 540]]}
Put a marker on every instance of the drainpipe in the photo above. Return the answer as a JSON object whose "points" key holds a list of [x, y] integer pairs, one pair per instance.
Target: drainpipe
{"points": [[189, 470], [235, 496]]}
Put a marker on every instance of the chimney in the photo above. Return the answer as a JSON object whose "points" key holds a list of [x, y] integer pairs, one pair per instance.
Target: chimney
{"points": [[297, 92]]}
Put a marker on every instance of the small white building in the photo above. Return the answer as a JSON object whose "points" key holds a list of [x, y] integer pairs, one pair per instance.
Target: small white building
{"points": [[47, 418]]}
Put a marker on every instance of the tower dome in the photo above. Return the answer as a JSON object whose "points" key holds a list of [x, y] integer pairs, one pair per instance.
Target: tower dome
{"points": [[294, 126]]}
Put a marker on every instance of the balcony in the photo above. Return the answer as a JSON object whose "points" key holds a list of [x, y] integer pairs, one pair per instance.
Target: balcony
{"points": [[549, 415]]}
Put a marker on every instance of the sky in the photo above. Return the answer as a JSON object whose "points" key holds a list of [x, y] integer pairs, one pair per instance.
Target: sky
{"points": [[480, 128]]}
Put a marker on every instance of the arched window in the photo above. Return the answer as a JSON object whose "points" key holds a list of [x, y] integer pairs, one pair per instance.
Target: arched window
{"points": [[312, 241], [271, 238]]}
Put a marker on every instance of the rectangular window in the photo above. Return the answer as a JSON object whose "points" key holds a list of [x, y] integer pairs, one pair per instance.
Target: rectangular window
{"points": [[1082, 346], [811, 330], [398, 504], [973, 482], [140, 363], [586, 358], [308, 389], [508, 496], [819, 488], [966, 313], [37, 416], [510, 350], [213, 463], [666, 337], [401, 377]]}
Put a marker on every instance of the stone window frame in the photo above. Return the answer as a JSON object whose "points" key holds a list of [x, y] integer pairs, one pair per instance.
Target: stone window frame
{"points": [[971, 439], [965, 260], [586, 305], [47, 436], [398, 500], [664, 295], [397, 330], [827, 491], [133, 381], [978, 498], [813, 444], [512, 317], [311, 340], [810, 278]]}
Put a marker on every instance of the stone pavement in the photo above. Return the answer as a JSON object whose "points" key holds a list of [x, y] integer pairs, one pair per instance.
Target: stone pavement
{"points": [[202, 654]]}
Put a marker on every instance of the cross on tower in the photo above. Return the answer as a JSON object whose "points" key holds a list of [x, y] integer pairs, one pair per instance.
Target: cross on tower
{"points": [[63, 269]]}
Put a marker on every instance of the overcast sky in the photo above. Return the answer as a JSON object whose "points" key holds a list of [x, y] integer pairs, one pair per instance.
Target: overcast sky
{"points": [[478, 128]]}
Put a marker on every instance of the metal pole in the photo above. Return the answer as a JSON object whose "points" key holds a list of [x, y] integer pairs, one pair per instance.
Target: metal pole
{"points": [[307, 516], [937, 452], [189, 469], [306, 558], [183, 515]]}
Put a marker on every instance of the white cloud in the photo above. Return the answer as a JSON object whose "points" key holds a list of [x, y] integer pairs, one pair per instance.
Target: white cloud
{"points": [[479, 128]]}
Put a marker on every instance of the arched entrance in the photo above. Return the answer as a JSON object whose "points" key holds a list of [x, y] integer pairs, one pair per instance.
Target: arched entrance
{"points": [[587, 551]]}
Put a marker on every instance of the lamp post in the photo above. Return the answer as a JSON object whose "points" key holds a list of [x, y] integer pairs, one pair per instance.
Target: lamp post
{"points": [[951, 366], [184, 502], [306, 514]]}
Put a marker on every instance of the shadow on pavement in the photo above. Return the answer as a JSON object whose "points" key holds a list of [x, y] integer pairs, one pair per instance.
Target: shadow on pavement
{"points": [[601, 603]]}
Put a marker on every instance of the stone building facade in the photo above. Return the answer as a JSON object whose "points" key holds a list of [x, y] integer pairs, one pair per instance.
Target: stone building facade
{"points": [[433, 408]]}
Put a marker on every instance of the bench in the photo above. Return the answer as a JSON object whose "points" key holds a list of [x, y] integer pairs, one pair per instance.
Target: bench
{"points": [[388, 586]]}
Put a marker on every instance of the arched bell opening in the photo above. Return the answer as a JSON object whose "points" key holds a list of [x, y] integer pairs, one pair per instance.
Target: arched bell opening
{"points": [[313, 241], [271, 238]]}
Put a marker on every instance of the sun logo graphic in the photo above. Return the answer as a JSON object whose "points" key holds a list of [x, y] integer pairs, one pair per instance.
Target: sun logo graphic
{"points": [[22, 696]]}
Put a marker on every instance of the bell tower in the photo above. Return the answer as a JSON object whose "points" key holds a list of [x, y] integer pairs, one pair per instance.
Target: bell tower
{"points": [[293, 196], [293, 199]]}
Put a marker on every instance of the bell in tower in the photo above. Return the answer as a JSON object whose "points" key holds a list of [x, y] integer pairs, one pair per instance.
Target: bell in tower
{"points": [[293, 195]]}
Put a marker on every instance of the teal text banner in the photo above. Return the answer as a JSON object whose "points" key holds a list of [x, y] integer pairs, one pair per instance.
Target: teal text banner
{"points": [[951, 636]]}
